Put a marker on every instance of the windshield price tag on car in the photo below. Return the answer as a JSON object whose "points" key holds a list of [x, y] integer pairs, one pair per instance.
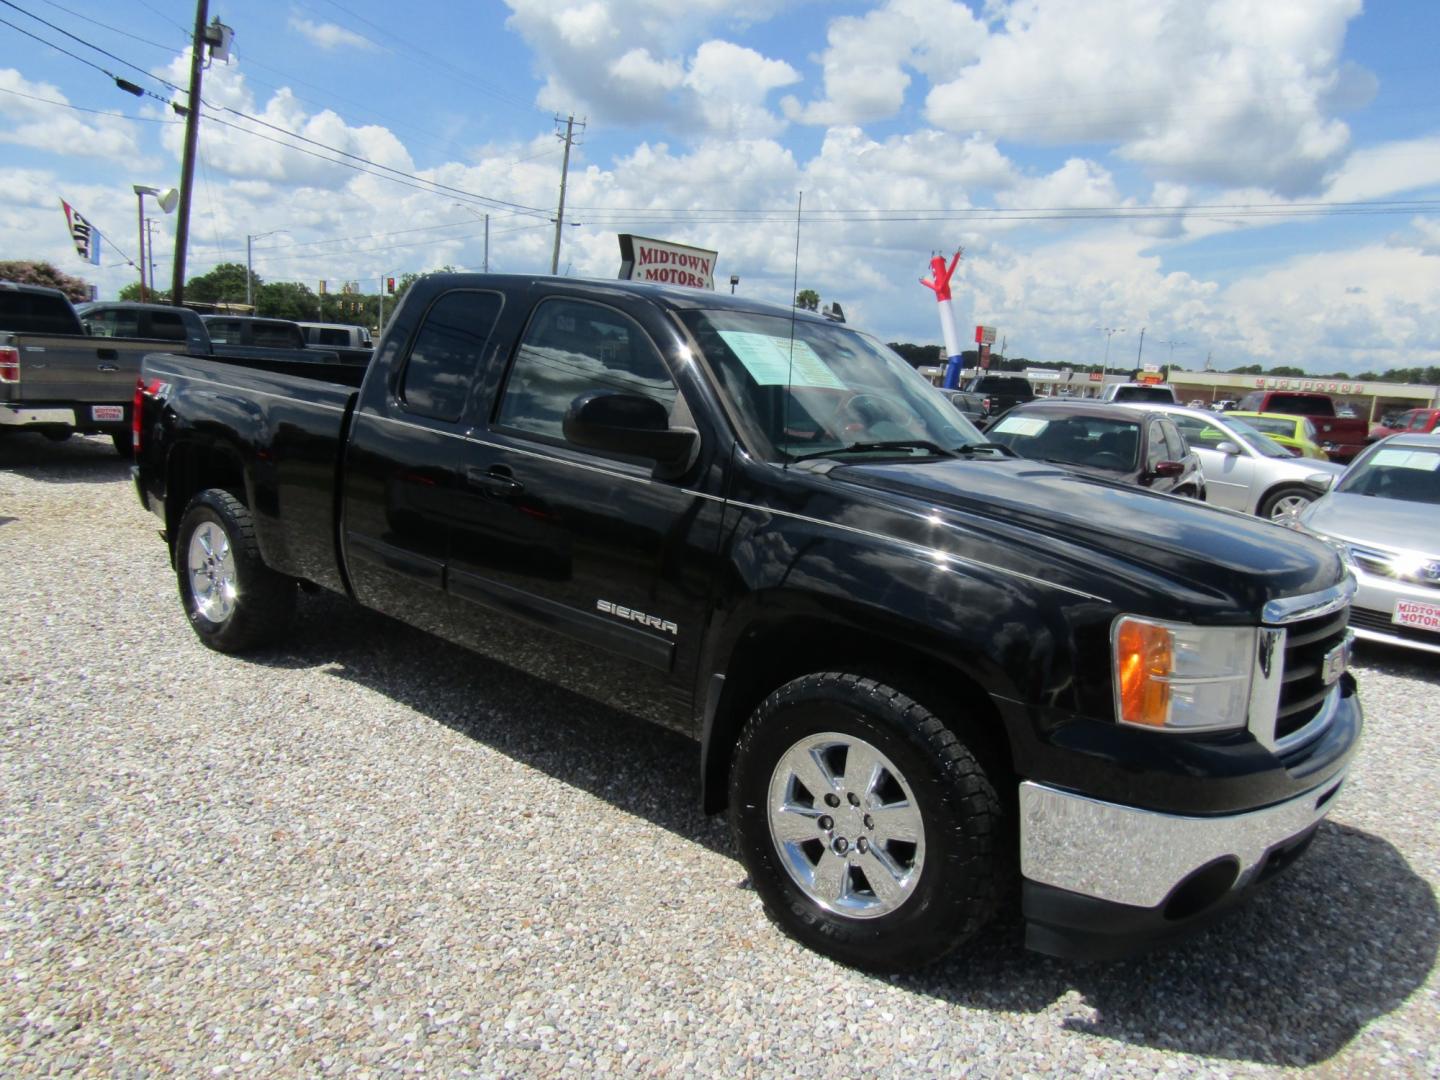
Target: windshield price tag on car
{"points": [[771, 363], [1421, 460], [1021, 425]]}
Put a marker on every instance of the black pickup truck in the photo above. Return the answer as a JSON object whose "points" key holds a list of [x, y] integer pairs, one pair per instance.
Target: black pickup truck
{"points": [[928, 679], [984, 398]]}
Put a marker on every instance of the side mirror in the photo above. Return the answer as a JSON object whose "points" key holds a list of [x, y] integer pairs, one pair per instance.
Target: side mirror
{"points": [[1228, 448], [630, 424], [1169, 469], [1321, 482]]}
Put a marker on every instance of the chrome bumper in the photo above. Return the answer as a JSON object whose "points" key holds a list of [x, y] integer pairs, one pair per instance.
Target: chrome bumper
{"points": [[1137, 857], [23, 416]]}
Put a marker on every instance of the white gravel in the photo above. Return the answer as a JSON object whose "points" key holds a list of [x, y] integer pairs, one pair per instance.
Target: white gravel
{"points": [[373, 854]]}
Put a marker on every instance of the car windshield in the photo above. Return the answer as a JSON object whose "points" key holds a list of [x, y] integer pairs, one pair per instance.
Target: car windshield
{"points": [[1096, 442], [833, 392], [1274, 425], [1262, 444], [1406, 473]]}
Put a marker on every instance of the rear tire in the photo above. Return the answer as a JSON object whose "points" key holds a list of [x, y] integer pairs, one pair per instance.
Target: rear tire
{"points": [[235, 602], [872, 834]]}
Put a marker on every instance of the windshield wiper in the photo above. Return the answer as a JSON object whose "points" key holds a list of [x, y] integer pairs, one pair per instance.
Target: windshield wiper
{"points": [[894, 444], [970, 448]]}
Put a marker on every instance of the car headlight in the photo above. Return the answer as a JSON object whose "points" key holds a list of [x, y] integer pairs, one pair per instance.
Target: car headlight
{"points": [[1182, 678]]}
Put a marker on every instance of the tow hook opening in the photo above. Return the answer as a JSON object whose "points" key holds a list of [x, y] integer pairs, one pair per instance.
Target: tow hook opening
{"points": [[1202, 888]]}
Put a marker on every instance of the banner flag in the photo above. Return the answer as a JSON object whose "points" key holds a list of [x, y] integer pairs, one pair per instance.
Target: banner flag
{"points": [[85, 235]]}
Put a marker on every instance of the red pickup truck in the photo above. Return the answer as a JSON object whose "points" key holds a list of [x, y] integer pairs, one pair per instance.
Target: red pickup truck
{"points": [[1410, 422], [1341, 437]]}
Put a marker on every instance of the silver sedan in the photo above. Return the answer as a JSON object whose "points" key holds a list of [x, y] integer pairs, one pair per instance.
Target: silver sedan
{"points": [[1248, 471], [1384, 516]]}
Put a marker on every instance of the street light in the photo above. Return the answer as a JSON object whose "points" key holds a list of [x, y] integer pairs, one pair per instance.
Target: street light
{"points": [[1109, 332], [250, 274], [734, 280], [485, 266], [166, 197], [1172, 345]]}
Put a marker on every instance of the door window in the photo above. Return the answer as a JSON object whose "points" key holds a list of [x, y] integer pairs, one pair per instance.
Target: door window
{"points": [[114, 322], [166, 327], [446, 354], [1175, 448], [571, 348], [1154, 446], [224, 331]]}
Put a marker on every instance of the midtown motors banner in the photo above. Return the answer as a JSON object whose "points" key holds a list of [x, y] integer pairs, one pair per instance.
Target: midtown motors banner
{"points": [[644, 259]]}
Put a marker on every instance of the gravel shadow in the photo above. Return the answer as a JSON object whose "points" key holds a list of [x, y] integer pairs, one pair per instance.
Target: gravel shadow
{"points": [[80, 459], [632, 764], [1345, 936]]}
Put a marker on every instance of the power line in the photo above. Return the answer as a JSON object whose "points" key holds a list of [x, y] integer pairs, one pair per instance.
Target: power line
{"points": [[81, 108], [112, 29], [484, 199], [87, 44]]}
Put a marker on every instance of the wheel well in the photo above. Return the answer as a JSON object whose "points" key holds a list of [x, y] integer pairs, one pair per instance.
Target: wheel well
{"points": [[772, 654], [191, 469]]}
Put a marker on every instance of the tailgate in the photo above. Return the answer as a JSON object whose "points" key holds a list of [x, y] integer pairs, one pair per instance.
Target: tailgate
{"points": [[77, 369]]}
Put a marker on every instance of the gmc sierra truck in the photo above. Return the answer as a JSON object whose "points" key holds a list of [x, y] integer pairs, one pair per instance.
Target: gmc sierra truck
{"points": [[984, 398], [928, 679]]}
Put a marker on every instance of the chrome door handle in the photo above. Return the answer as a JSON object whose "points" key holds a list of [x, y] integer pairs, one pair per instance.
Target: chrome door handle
{"points": [[494, 483]]}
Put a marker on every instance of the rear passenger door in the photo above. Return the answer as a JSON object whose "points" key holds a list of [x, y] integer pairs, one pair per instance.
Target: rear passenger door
{"points": [[579, 565], [406, 440]]}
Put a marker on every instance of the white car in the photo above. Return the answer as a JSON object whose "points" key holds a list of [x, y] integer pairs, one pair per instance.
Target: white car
{"points": [[1384, 516], [1247, 471]]}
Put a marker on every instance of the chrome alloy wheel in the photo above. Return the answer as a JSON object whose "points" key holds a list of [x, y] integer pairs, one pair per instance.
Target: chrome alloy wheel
{"points": [[1288, 506], [846, 825], [212, 572]]}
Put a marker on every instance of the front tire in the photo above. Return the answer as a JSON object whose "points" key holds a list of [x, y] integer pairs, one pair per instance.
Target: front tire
{"points": [[871, 832], [235, 602], [1284, 503]]}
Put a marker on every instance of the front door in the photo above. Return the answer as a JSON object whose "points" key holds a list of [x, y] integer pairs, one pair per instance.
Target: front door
{"points": [[581, 566]]}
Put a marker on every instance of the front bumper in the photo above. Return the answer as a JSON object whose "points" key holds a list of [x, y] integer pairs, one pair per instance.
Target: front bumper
{"points": [[1372, 611], [1103, 879]]}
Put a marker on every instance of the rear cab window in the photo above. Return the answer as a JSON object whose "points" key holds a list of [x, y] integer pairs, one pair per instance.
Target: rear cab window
{"points": [[36, 313], [436, 378]]}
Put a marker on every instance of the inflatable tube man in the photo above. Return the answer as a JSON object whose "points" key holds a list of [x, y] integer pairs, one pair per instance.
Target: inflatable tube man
{"points": [[939, 283]]}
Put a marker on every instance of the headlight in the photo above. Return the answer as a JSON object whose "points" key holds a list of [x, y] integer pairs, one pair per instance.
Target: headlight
{"points": [[1175, 677]]}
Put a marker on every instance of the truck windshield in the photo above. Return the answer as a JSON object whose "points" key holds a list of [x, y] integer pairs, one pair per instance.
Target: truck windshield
{"points": [[832, 390]]}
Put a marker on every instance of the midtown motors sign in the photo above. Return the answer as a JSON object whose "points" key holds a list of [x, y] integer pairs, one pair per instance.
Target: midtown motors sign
{"points": [[644, 259]]}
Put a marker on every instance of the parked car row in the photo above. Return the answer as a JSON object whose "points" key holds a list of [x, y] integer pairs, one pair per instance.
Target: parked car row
{"points": [[1382, 513]]}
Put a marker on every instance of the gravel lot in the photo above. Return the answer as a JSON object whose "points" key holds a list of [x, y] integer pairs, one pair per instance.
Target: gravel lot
{"points": [[375, 854]]}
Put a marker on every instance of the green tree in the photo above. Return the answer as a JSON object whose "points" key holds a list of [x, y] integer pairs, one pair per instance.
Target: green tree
{"points": [[1287, 371], [808, 299], [223, 285], [131, 293], [287, 300], [34, 272], [1248, 369]]}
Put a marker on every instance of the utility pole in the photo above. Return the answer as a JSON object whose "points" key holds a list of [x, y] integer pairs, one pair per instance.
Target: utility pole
{"points": [[150, 244], [1140, 351], [249, 290], [569, 138], [486, 266], [140, 201], [187, 163]]}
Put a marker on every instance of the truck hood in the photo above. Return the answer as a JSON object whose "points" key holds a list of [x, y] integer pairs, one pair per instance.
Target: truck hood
{"points": [[1074, 530]]}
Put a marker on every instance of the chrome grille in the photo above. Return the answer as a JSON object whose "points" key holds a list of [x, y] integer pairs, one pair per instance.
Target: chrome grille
{"points": [[1303, 688]]}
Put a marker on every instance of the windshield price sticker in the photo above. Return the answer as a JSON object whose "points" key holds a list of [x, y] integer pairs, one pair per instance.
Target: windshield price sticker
{"points": [[1422, 460], [769, 360], [1419, 614], [1021, 425]]}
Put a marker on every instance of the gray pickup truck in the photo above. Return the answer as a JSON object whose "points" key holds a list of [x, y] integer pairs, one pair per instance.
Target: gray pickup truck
{"points": [[66, 370], [57, 379]]}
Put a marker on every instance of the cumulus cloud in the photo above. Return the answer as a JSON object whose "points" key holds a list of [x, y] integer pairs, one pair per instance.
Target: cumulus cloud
{"points": [[31, 120], [1227, 93], [866, 60], [329, 36], [636, 61]]}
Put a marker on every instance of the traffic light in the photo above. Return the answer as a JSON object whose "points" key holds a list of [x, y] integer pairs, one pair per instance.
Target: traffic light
{"points": [[390, 285]]}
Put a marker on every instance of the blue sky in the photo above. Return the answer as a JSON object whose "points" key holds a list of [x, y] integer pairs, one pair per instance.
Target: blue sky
{"points": [[1255, 181]]}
